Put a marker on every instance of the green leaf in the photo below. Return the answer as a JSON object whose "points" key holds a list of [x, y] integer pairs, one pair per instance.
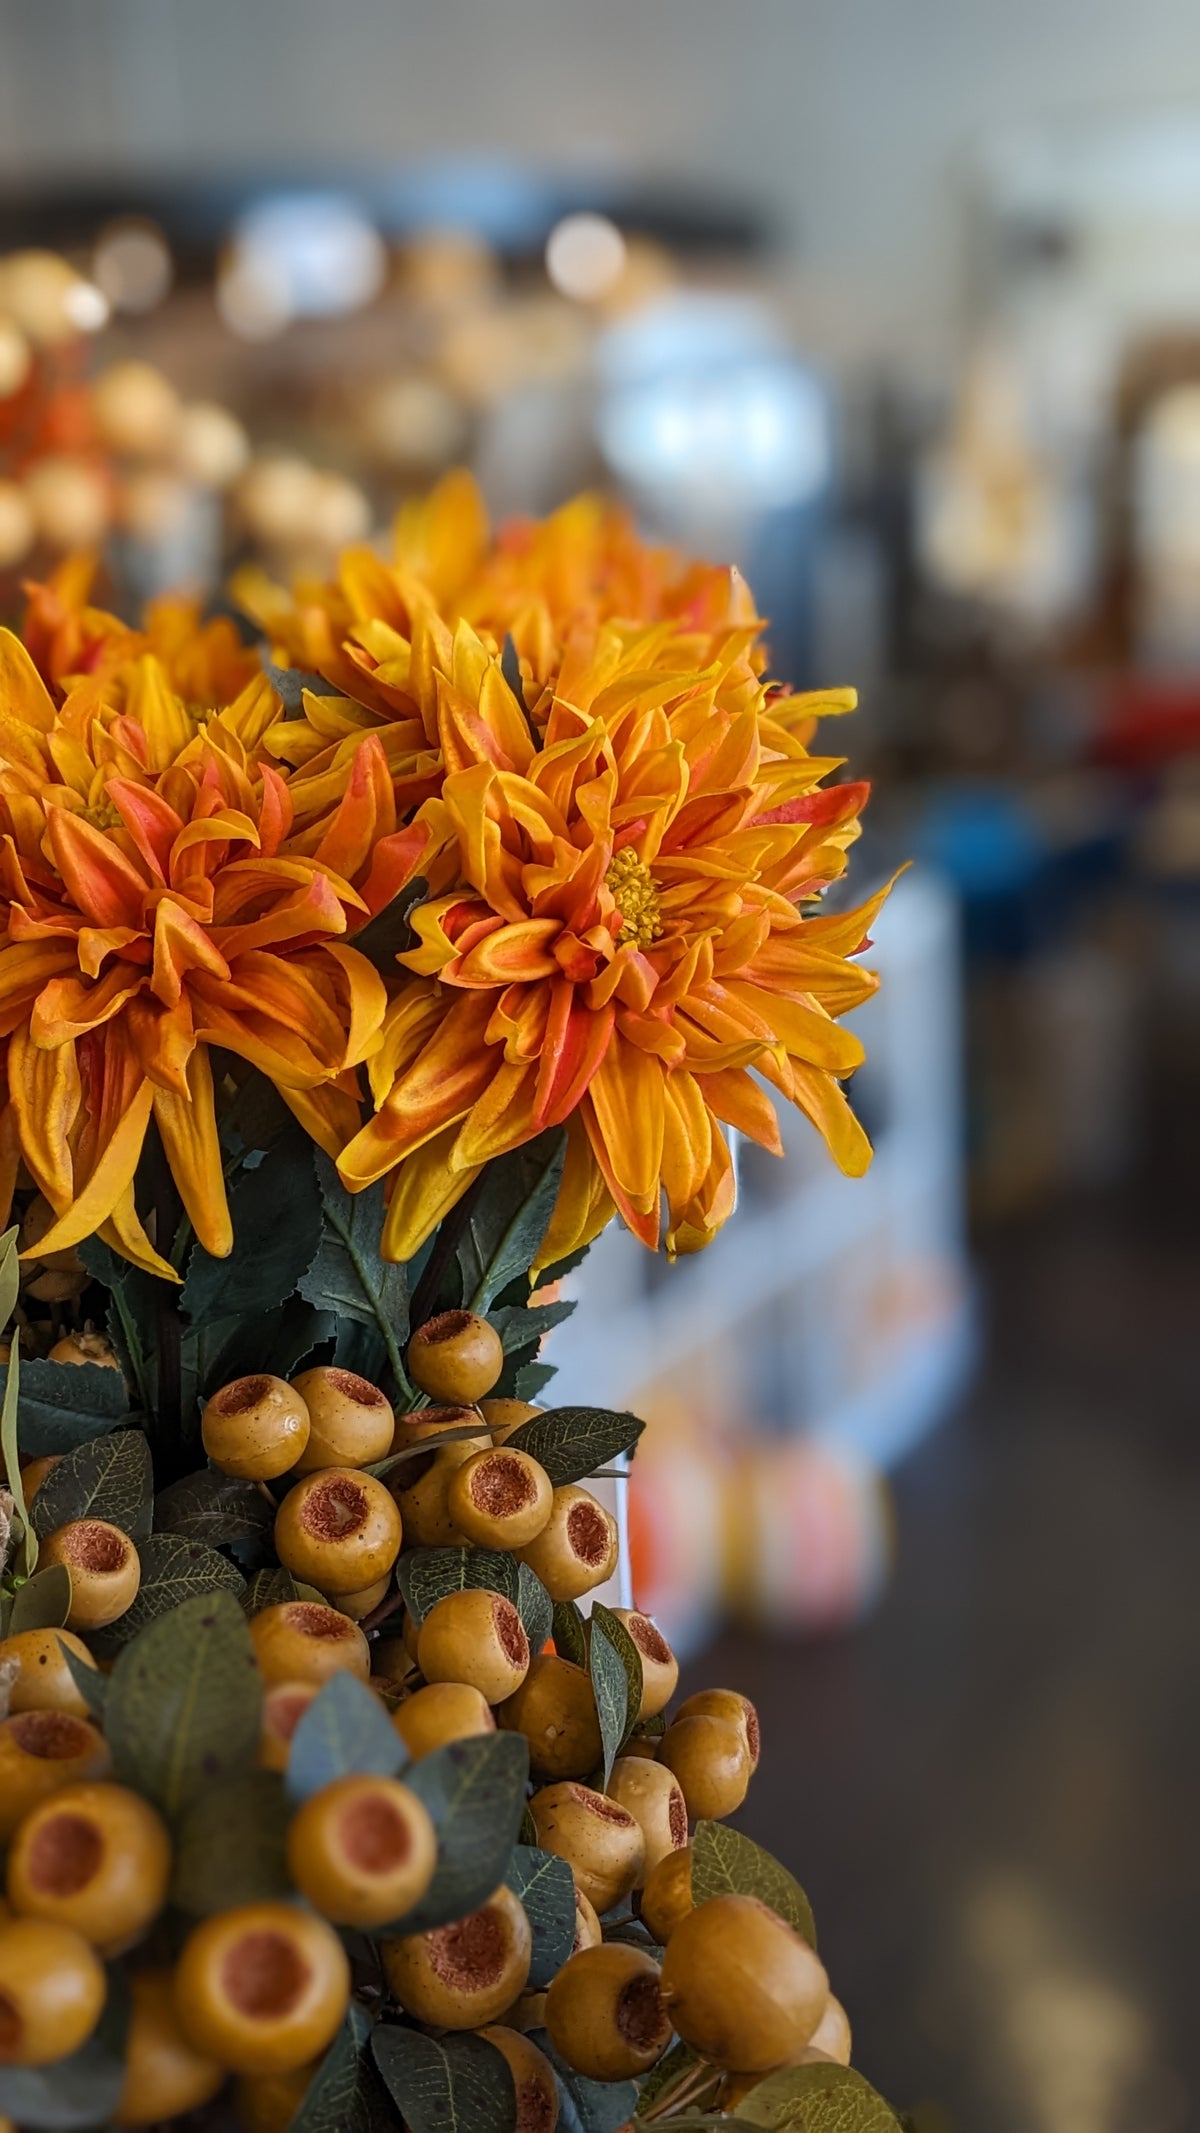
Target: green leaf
{"points": [[344, 1731], [389, 933], [725, 1863], [570, 1639], [588, 2106], [185, 1703], [679, 2061], [531, 1379], [475, 1792], [173, 1570], [213, 1507], [269, 1588], [423, 1447], [522, 1325], [109, 1477], [348, 1275], [345, 2094], [26, 1554], [546, 1887], [276, 1213], [817, 2099], [428, 1574], [231, 1845], [573, 1442], [43, 1601], [510, 1217], [450, 2084], [630, 1657], [535, 1607], [136, 1300], [90, 1682], [64, 1404], [611, 1684], [77, 2092]]}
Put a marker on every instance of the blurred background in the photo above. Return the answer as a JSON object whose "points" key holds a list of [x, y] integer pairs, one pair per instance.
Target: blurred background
{"points": [[898, 306]]}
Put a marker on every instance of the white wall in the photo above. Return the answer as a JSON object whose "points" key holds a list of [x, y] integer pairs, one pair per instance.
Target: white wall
{"points": [[856, 118]]}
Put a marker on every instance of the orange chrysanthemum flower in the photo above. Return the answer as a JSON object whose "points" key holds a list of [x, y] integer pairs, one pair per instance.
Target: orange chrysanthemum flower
{"points": [[616, 945], [152, 913], [205, 663]]}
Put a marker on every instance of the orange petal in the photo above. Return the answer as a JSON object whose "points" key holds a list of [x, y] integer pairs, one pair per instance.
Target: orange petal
{"points": [[188, 1127], [425, 1190], [99, 1193], [103, 884], [22, 691]]}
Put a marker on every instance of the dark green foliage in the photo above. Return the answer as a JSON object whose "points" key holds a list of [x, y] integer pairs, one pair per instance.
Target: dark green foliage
{"points": [[345, 1729], [573, 1442], [184, 1703], [450, 2084], [475, 1793], [108, 1477], [546, 1888]]}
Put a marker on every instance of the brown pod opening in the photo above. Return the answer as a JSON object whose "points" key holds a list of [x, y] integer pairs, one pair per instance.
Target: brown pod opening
{"points": [[240, 1396], [511, 1631], [355, 1388], [65, 1854], [649, 1641], [501, 1487], [471, 1954], [264, 1976], [677, 1819], [52, 1735], [640, 2015], [604, 1809], [322, 1623], [375, 1836], [445, 1327], [587, 1532], [335, 1509], [753, 1733], [285, 1708], [537, 2110], [95, 1547]]}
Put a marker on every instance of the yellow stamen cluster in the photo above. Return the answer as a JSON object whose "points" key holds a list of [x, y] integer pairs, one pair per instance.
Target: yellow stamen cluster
{"points": [[630, 882]]}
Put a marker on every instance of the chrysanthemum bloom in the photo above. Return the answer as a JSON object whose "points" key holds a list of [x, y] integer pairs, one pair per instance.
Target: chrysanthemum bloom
{"points": [[615, 944], [151, 915], [205, 663]]}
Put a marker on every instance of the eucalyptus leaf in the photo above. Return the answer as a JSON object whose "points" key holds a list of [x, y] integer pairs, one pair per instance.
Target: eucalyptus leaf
{"points": [[90, 1682], [389, 933], [570, 1637], [344, 1731], [571, 1442], [213, 1507], [588, 2106], [449, 2084], [173, 1570], [185, 1703], [611, 1685], [726, 1863], [475, 1792], [509, 1218], [276, 1214], [79, 2091], [427, 1575], [630, 1657], [345, 2094], [43, 1601], [110, 1478], [348, 1275], [817, 2099], [546, 1887], [535, 1607], [231, 1845], [65, 1404]]}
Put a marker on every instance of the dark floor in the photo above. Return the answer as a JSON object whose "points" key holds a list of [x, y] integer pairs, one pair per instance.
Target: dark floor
{"points": [[992, 1790]]}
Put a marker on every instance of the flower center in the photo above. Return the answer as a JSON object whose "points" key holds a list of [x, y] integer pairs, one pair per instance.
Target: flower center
{"points": [[631, 885]]}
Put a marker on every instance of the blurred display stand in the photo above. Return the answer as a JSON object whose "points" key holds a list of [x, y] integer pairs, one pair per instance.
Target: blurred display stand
{"points": [[782, 1382]]}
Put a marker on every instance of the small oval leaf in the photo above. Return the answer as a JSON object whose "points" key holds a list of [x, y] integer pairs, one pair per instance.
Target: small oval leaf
{"points": [[725, 1863]]}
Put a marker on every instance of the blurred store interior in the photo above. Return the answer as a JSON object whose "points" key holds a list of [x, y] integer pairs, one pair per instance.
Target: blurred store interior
{"points": [[898, 308]]}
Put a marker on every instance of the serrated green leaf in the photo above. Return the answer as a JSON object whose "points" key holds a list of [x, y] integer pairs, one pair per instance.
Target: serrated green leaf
{"points": [[588, 2106], [65, 1404], [522, 1325], [570, 1637], [185, 1702], [546, 1887], [269, 1588], [817, 2099], [427, 1575], [726, 1863], [611, 1686], [475, 1792], [90, 1682], [109, 1477], [531, 1379], [509, 1217], [389, 933], [77, 2092], [572, 1442], [630, 1658], [345, 2094], [344, 1731], [213, 1507], [349, 1276], [450, 2084], [231, 1845], [173, 1570], [276, 1214], [535, 1607], [43, 1601]]}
